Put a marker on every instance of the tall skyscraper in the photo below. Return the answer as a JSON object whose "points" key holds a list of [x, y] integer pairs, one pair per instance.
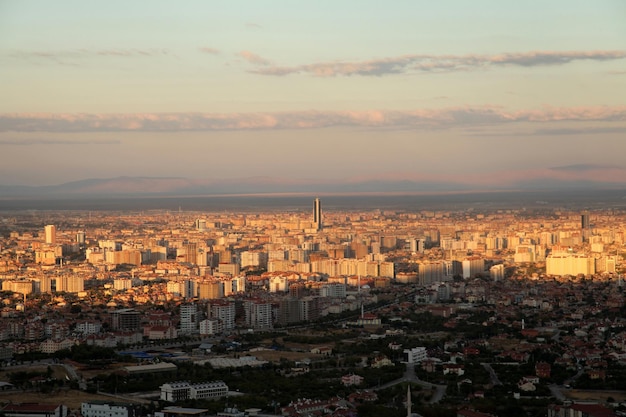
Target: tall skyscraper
{"points": [[585, 226], [317, 214], [51, 234], [584, 220]]}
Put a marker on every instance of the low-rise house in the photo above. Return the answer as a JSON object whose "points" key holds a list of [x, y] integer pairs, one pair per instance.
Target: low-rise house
{"points": [[351, 379]]}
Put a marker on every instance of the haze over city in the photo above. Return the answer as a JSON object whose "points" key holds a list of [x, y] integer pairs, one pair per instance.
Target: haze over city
{"points": [[458, 95]]}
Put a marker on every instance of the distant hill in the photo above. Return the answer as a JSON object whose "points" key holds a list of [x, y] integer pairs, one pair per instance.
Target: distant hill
{"points": [[174, 186]]}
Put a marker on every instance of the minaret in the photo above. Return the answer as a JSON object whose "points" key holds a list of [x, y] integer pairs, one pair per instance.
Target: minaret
{"points": [[408, 401]]}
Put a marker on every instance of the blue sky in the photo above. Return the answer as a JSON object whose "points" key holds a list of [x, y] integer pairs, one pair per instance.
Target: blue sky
{"points": [[330, 90]]}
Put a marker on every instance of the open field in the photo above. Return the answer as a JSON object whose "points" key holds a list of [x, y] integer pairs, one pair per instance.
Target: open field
{"points": [[594, 395], [276, 355], [71, 398], [58, 371]]}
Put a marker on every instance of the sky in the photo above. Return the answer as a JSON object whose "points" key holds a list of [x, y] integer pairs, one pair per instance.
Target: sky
{"points": [[491, 93]]}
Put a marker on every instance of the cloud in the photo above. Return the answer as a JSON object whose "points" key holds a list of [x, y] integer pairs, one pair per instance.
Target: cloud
{"points": [[465, 117], [439, 63], [251, 25], [253, 58], [71, 56], [208, 50], [584, 167], [31, 142], [581, 131]]}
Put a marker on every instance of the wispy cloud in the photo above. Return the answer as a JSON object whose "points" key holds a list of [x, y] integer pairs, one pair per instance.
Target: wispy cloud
{"points": [[581, 131], [251, 25], [253, 58], [55, 142], [550, 131], [585, 167], [208, 50], [73, 56], [466, 117], [417, 63]]}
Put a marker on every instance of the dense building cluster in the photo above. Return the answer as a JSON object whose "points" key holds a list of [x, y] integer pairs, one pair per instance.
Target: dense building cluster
{"points": [[260, 270], [497, 284]]}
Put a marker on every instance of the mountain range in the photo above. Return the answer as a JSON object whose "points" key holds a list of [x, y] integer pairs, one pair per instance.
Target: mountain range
{"points": [[173, 186]]}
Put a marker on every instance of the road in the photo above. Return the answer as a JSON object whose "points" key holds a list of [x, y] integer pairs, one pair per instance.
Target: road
{"points": [[409, 376], [556, 392], [492, 374]]}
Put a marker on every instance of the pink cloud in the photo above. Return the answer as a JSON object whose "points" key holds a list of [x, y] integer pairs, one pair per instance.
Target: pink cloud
{"points": [[208, 50], [438, 63], [72, 56], [453, 117], [253, 58]]}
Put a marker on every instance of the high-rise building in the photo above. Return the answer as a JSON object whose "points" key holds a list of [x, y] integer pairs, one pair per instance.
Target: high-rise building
{"points": [[125, 319], [570, 264], [317, 214], [585, 226], [258, 314], [224, 311], [584, 220], [50, 234], [70, 283], [211, 290], [188, 318]]}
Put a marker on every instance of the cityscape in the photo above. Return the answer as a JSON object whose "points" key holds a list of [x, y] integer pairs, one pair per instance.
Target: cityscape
{"points": [[315, 312], [355, 208]]}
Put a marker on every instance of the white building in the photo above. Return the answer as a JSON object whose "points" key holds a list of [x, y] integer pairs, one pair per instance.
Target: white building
{"points": [[258, 314], [50, 232], [188, 318], [224, 312], [103, 409], [570, 264], [279, 283], [122, 284], [88, 327], [335, 290], [415, 355], [70, 283], [209, 327], [473, 266], [253, 259], [180, 391]]}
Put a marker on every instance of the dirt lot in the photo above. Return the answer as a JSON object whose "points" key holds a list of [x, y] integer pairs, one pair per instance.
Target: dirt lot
{"points": [[591, 395], [58, 372], [275, 355], [71, 398]]}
